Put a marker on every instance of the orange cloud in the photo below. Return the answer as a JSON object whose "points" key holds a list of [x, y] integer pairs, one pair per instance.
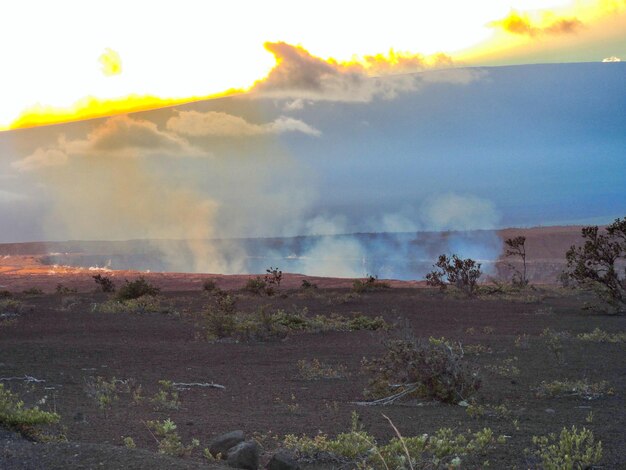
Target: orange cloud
{"points": [[523, 25]]}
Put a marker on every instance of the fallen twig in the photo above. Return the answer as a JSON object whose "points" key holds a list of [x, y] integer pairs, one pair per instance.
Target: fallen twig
{"points": [[26, 378], [187, 386], [390, 399]]}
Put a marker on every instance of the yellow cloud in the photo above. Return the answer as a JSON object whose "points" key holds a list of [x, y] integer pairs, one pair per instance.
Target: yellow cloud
{"points": [[111, 62], [517, 23]]}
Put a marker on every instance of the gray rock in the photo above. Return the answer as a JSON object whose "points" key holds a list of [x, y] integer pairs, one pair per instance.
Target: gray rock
{"points": [[283, 460], [244, 455], [223, 442]]}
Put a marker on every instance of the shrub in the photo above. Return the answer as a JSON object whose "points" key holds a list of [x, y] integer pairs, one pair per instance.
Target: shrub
{"points": [[140, 305], [579, 388], [431, 369], [105, 283], [13, 413], [64, 290], [135, 289], [601, 336], [11, 307], [572, 450], [33, 291], [255, 285], [306, 284], [462, 273], [517, 247], [169, 441], [315, 370], [369, 284], [272, 279], [595, 264], [166, 398], [443, 449], [209, 285]]}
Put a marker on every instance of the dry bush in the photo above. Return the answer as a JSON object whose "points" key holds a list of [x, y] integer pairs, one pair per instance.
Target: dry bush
{"points": [[432, 369]]}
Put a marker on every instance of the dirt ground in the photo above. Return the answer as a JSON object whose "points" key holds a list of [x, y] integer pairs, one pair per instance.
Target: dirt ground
{"points": [[63, 346]]}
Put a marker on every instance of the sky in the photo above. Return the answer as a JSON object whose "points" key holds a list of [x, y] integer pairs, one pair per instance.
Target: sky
{"points": [[200, 119]]}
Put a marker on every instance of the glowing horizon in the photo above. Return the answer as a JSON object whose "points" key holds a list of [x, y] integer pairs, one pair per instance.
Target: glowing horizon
{"points": [[73, 69]]}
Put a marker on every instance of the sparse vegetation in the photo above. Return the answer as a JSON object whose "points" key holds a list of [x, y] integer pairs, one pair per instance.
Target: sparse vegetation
{"points": [[255, 285], [554, 342], [33, 291], [135, 289], [595, 265], [572, 450], [139, 305], [104, 283], [222, 320], [461, 273], [432, 369], [166, 398], [306, 284], [272, 279], [579, 388], [517, 247], [443, 449], [601, 336], [168, 439], [316, 370], [369, 284], [64, 290], [209, 285], [14, 415]]}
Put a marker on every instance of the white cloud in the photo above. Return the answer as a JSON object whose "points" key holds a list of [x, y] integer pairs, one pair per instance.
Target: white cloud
{"points": [[118, 136], [194, 123]]}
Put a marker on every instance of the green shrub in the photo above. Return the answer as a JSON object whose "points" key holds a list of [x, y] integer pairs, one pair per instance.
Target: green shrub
{"points": [[13, 413], [431, 369], [139, 305], [581, 388], [255, 285], [135, 289], [601, 336], [459, 272], [572, 450], [443, 449], [170, 442], [166, 398]]}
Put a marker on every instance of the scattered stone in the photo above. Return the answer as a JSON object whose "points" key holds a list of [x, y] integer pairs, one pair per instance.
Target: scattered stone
{"points": [[550, 410], [283, 460], [244, 455], [223, 442]]}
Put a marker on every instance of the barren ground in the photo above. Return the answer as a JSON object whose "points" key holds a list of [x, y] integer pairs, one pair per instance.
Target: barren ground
{"points": [[64, 345]]}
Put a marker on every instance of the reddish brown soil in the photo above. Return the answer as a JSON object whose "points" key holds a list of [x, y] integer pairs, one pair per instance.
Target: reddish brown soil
{"points": [[263, 393]]}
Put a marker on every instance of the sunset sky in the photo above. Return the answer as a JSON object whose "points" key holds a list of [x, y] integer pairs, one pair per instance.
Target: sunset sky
{"points": [[62, 59], [285, 118]]}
